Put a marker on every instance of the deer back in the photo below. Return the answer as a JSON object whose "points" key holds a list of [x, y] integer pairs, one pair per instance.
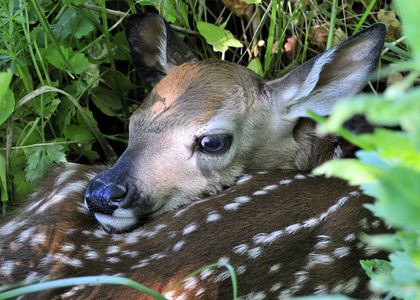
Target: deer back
{"points": [[285, 233]]}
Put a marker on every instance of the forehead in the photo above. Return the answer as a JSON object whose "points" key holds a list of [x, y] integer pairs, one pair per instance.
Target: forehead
{"points": [[196, 92]]}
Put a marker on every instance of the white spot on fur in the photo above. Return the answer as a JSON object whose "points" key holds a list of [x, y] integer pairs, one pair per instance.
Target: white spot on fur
{"points": [[157, 256], [311, 223], [319, 259], [275, 287], [34, 205], [241, 249], [254, 252], [300, 176], [7, 267], [259, 193], [341, 252], [255, 296], [206, 273], [26, 234], [64, 176], [92, 255], [180, 212], [285, 182], [113, 259], [38, 239], [132, 254], [178, 246], [285, 294], [223, 276], [190, 283], [68, 247], [189, 228], [73, 291], [99, 233], [274, 268], [293, 228], [112, 250], [231, 206], [321, 290], [338, 152], [271, 187], [364, 223], [264, 238], [11, 227], [240, 270], [370, 250], [350, 238], [243, 178], [213, 216], [242, 199], [223, 260]]}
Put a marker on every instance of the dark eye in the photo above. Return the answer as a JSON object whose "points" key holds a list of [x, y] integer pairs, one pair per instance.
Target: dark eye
{"points": [[215, 144]]}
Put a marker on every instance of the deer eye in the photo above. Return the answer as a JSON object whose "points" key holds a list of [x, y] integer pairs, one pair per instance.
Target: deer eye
{"points": [[215, 144]]}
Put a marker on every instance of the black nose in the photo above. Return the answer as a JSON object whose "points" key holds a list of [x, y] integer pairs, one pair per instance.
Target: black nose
{"points": [[103, 197]]}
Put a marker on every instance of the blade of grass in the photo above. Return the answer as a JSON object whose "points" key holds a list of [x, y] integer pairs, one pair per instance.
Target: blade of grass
{"points": [[332, 24], [80, 281], [109, 152]]}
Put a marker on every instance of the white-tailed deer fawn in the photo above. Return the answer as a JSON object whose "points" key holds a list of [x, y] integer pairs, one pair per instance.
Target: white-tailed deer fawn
{"points": [[204, 123]]}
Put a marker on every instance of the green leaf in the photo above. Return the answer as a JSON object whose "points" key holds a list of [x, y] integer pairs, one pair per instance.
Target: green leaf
{"points": [[40, 158], [255, 65], [7, 98], [405, 271], [73, 22], [219, 38], [352, 170], [252, 1], [81, 132], [410, 12], [376, 266], [3, 179], [169, 9], [78, 62], [398, 193]]}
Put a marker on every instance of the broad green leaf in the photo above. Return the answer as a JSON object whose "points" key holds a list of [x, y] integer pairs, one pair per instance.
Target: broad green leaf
{"points": [[78, 61], [40, 158], [404, 269], [219, 38], [72, 22], [375, 266], [170, 10], [389, 109], [3, 179], [398, 200], [255, 65], [252, 1], [80, 132], [410, 12], [352, 170], [7, 105], [7, 98]]}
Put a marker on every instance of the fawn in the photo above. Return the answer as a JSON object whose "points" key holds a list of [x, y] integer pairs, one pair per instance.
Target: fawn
{"points": [[204, 125]]}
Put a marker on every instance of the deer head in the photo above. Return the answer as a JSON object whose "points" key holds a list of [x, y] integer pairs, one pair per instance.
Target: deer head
{"points": [[204, 122]]}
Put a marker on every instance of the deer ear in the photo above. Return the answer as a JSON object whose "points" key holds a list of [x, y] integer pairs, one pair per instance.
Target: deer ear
{"points": [[155, 47], [338, 73]]}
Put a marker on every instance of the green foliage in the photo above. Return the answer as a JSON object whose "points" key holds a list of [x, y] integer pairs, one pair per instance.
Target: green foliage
{"points": [[218, 37], [7, 101], [388, 168]]}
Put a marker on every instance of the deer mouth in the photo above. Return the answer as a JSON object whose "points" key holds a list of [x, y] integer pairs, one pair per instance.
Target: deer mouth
{"points": [[124, 220]]}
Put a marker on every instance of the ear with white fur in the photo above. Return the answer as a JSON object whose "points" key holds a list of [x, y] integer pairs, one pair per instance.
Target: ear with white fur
{"points": [[338, 73], [155, 47]]}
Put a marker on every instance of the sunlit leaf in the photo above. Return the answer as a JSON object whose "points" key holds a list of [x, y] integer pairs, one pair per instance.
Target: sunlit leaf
{"points": [[218, 37]]}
